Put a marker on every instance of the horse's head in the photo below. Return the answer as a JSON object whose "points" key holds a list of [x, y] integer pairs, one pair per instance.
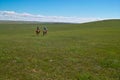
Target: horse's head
{"points": [[37, 31]]}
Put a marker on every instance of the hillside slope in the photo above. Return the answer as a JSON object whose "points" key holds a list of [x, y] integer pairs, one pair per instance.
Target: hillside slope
{"points": [[89, 51]]}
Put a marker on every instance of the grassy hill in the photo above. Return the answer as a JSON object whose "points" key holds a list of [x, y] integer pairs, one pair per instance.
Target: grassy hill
{"points": [[89, 51]]}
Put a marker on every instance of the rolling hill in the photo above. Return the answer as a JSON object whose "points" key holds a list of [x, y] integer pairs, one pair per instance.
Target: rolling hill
{"points": [[88, 51]]}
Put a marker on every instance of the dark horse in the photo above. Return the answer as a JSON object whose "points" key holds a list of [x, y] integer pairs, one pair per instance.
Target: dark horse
{"points": [[37, 31], [44, 32]]}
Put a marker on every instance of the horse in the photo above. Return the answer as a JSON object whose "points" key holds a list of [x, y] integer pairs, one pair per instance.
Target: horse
{"points": [[44, 32], [37, 32]]}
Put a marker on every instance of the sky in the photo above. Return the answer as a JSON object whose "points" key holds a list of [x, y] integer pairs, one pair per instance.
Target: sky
{"points": [[76, 11]]}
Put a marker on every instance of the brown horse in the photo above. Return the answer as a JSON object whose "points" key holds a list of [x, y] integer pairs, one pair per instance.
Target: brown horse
{"points": [[37, 32], [44, 32]]}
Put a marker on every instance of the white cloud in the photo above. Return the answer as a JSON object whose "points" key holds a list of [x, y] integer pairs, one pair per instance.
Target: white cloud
{"points": [[11, 15]]}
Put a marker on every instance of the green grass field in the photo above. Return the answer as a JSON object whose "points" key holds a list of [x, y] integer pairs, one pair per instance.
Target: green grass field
{"points": [[88, 51]]}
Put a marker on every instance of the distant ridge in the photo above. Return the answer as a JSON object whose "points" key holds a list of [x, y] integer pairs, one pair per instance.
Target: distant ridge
{"points": [[16, 22], [37, 22], [28, 22], [107, 20]]}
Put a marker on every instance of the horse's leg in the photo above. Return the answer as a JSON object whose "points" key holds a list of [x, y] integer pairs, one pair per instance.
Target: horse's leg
{"points": [[43, 33], [36, 33]]}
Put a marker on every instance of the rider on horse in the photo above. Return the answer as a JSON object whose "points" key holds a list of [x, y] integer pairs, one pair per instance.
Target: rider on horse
{"points": [[37, 31], [45, 30], [38, 28]]}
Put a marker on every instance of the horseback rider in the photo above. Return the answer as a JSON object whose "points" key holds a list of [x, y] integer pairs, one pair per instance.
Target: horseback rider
{"points": [[37, 30], [45, 30]]}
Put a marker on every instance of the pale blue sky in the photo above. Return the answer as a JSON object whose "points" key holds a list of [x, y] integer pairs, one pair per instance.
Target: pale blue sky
{"points": [[67, 8]]}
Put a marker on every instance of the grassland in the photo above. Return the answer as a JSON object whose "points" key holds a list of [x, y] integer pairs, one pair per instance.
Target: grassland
{"points": [[89, 51]]}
